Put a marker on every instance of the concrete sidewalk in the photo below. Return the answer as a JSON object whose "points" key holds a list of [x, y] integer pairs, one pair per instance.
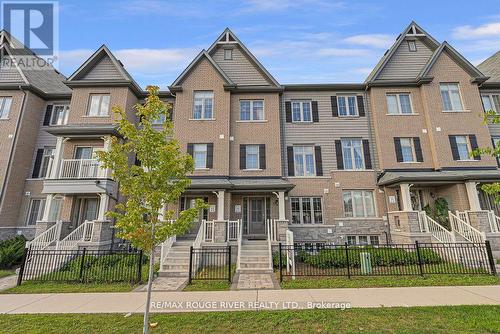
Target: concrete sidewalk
{"points": [[132, 302]]}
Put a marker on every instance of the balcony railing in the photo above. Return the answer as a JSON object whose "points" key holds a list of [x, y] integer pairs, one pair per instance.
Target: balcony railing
{"points": [[81, 169]]}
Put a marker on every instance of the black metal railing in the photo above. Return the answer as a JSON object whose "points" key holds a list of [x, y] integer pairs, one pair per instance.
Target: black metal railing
{"points": [[85, 266], [212, 263], [318, 259]]}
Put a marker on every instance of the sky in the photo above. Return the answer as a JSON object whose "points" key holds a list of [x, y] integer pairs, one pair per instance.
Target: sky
{"points": [[298, 41]]}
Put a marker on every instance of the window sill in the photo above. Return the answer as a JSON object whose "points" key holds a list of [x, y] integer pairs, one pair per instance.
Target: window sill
{"points": [[201, 169], [468, 160], [455, 111], [252, 121], [352, 170], [412, 114], [4, 119], [349, 117], [302, 122], [96, 116], [308, 225], [252, 170], [357, 218], [410, 162], [309, 177], [202, 119]]}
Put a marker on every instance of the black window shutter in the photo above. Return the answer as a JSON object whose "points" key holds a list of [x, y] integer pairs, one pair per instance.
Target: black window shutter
{"points": [[291, 164], [366, 153], [454, 148], [361, 106], [315, 113], [38, 163], [339, 155], [181, 204], [137, 161], [399, 152], [190, 149], [473, 145], [418, 149], [288, 111], [210, 155], [494, 146], [243, 156], [262, 156], [48, 115], [319, 161], [171, 114], [335, 108]]}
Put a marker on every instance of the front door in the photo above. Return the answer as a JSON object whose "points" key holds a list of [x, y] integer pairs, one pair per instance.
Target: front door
{"points": [[257, 215], [86, 209]]}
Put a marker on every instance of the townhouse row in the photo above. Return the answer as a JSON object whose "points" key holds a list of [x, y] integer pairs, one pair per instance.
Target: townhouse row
{"points": [[340, 163]]}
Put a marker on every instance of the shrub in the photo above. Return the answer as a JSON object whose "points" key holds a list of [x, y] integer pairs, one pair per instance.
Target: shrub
{"points": [[11, 252]]}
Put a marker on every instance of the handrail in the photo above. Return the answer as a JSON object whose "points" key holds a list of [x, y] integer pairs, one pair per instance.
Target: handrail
{"points": [[166, 246], [79, 234], [494, 222], [240, 238], [290, 253], [437, 231], [270, 253], [467, 231], [200, 235], [209, 230], [46, 238]]}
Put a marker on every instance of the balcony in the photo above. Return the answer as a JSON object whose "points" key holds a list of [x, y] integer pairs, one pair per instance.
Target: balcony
{"points": [[81, 169]]}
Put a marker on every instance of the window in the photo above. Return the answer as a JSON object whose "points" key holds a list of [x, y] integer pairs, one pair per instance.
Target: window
{"points": [[307, 210], [35, 213], [99, 105], [200, 156], [203, 105], [407, 149], [347, 106], [84, 152], [450, 94], [303, 157], [48, 154], [352, 152], [55, 208], [160, 120], [251, 110], [301, 111], [252, 157], [228, 54], [463, 147], [399, 104], [362, 240], [491, 102], [359, 203], [59, 115], [412, 46], [5, 104]]}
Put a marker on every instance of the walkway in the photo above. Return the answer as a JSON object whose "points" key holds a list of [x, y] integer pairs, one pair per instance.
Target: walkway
{"points": [[8, 282], [249, 300], [165, 284]]}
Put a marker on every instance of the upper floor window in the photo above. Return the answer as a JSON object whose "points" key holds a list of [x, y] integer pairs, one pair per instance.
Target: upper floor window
{"points": [[462, 147], [228, 54], [99, 105], [491, 102], [407, 149], [352, 153], [200, 156], [203, 105], [450, 95], [398, 104], [160, 119], [59, 115], [412, 46], [303, 157], [347, 105], [42, 162], [301, 111], [252, 157], [359, 203], [252, 110], [307, 210], [5, 104]]}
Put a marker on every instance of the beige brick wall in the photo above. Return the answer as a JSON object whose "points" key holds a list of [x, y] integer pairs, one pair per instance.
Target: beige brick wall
{"points": [[69, 146], [204, 77], [267, 133]]}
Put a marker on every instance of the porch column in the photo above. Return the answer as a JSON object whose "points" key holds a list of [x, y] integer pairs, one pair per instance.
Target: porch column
{"points": [[473, 196], [56, 161], [281, 205], [46, 210], [405, 196], [107, 148], [220, 204], [103, 207]]}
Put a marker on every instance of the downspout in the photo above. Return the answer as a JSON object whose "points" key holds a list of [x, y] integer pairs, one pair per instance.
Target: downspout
{"points": [[14, 142]]}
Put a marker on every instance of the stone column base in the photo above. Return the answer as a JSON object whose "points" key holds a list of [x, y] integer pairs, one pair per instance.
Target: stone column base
{"points": [[102, 231]]}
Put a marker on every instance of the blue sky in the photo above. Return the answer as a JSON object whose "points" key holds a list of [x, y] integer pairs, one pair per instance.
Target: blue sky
{"points": [[298, 41]]}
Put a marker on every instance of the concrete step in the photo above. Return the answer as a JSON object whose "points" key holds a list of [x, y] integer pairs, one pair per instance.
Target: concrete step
{"points": [[177, 260], [254, 265], [187, 243], [255, 271], [254, 252], [253, 258], [172, 273], [176, 267], [180, 247]]}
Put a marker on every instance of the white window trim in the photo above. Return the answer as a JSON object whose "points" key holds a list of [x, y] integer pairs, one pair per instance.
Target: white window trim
{"points": [[66, 114], [202, 115], [469, 148], [398, 99], [451, 101], [311, 201], [252, 120], [301, 103], [258, 158], [304, 161], [492, 103], [412, 42], [2, 103], [206, 156], [365, 216], [368, 237], [353, 159], [101, 95], [413, 153], [346, 97], [41, 209]]}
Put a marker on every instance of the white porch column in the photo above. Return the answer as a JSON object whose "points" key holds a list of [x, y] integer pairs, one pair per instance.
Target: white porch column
{"points": [[107, 148], [473, 196], [56, 161], [103, 207], [220, 204], [281, 205], [46, 210], [405, 196]]}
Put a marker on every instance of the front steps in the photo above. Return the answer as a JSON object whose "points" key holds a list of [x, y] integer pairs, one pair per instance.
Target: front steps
{"points": [[177, 261], [254, 257]]}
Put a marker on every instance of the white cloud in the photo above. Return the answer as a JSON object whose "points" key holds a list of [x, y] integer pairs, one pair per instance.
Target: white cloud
{"points": [[340, 52], [470, 32], [372, 40], [281, 5]]}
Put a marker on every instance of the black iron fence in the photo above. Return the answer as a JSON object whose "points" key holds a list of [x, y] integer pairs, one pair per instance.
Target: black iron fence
{"points": [[85, 266], [212, 263], [317, 259]]}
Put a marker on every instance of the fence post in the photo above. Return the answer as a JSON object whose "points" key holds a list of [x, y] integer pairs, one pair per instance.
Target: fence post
{"points": [[82, 262], [190, 277], [347, 260], [280, 264], [420, 264], [229, 263], [490, 258], [23, 264], [139, 267]]}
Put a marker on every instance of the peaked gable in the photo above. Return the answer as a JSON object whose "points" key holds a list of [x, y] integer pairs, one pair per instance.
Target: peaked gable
{"points": [[9, 71], [491, 67]]}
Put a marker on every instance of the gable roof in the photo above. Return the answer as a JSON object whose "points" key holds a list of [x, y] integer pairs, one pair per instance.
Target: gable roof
{"points": [[412, 30], [491, 68]]}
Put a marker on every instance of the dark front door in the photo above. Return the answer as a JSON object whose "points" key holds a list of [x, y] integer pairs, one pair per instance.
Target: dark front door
{"points": [[257, 215], [86, 209]]}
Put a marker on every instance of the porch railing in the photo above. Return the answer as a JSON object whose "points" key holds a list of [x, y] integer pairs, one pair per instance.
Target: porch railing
{"points": [[494, 222], [46, 238], [437, 231], [464, 229], [232, 230], [80, 234], [209, 230], [269, 247], [81, 169], [240, 240]]}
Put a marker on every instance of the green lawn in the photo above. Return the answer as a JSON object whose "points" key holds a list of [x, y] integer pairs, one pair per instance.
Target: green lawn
{"points": [[456, 319], [60, 287], [208, 286], [387, 281], [6, 272]]}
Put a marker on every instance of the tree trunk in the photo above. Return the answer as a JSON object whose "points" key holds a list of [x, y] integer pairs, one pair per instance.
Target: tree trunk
{"points": [[150, 284]]}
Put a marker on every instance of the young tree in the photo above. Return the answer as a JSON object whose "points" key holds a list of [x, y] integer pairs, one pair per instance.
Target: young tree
{"points": [[149, 188], [490, 117]]}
